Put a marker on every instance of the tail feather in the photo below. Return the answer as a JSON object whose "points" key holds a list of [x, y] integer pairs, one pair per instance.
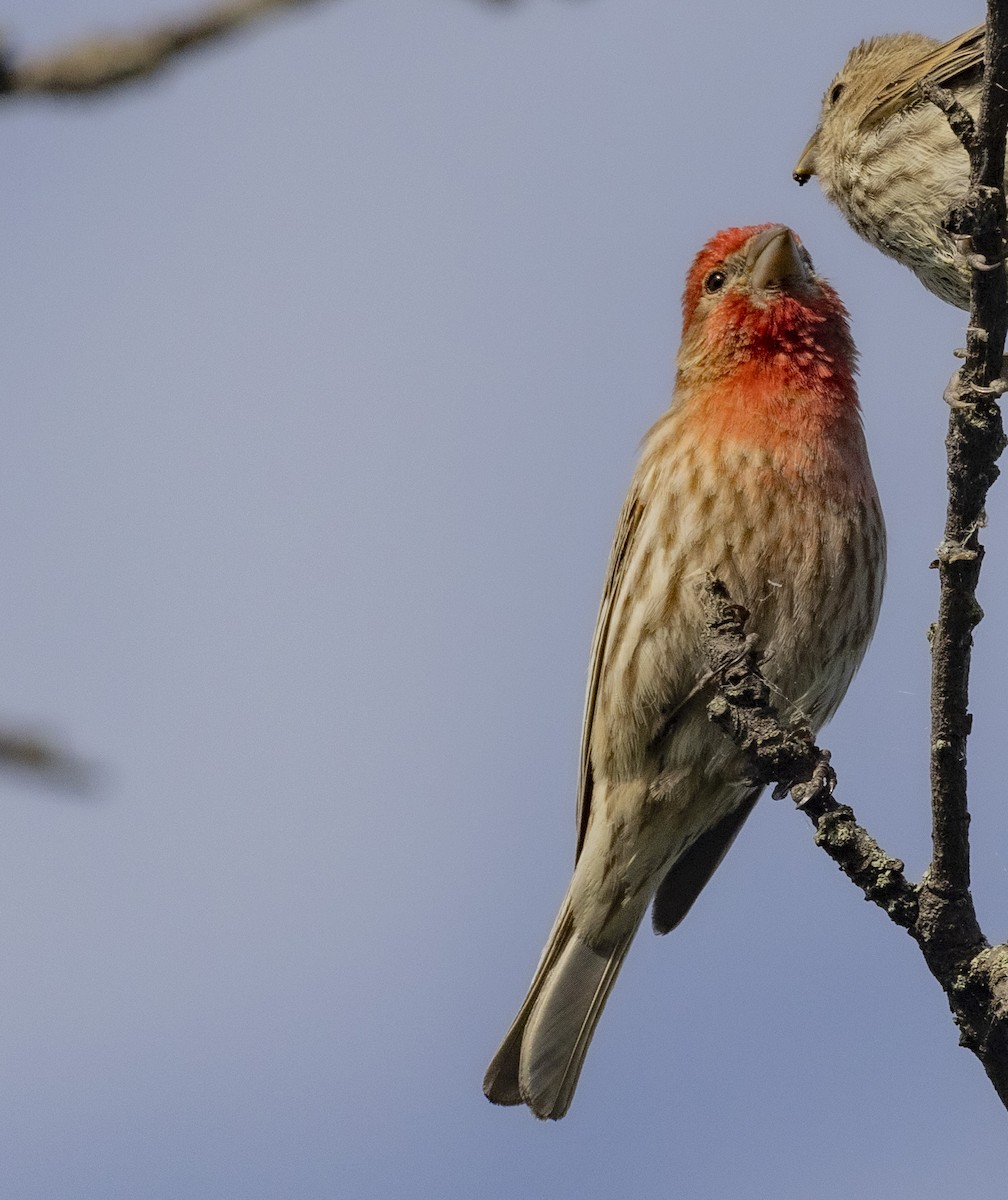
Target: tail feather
{"points": [[561, 1025], [500, 1083], [541, 1057]]}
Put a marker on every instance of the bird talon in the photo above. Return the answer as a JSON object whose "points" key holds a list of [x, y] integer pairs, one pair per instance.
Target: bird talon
{"points": [[953, 552], [821, 784], [956, 389], [953, 393], [979, 263]]}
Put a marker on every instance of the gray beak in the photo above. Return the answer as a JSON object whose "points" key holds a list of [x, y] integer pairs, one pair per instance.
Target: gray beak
{"points": [[805, 167], [773, 260]]}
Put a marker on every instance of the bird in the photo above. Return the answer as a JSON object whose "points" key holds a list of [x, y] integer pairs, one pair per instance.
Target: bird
{"points": [[887, 157], [758, 475]]}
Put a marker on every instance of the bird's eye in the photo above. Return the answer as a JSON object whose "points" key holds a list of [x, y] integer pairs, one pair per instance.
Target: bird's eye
{"points": [[836, 93], [715, 281]]}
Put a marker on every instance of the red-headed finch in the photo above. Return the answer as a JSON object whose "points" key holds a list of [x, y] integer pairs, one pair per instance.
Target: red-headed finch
{"points": [[887, 158], [758, 473]]}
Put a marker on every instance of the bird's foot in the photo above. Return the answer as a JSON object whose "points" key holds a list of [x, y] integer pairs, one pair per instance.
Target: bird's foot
{"points": [[820, 786], [956, 389], [964, 247]]}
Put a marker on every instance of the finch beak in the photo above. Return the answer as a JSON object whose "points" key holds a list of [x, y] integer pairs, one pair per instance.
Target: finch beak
{"points": [[805, 166], [774, 262]]}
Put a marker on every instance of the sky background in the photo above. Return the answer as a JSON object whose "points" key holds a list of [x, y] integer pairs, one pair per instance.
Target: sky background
{"points": [[326, 360]]}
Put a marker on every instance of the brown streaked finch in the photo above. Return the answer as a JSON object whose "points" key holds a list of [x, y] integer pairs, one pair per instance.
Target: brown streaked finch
{"points": [[758, 474], [887, 158]]}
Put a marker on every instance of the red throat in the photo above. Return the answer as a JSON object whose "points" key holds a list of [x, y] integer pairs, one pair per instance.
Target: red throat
{"points": [[777, 378], [772, 408]]}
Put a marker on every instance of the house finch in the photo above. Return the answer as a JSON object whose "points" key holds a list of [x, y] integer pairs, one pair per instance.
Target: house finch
{"points": [[887, 158], [759, 474]]}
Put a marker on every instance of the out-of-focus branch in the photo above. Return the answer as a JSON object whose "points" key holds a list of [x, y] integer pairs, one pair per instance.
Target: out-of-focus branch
{"points": [[102, 63], [44, 759], [99, 63], [976, 985], [106, 61]]}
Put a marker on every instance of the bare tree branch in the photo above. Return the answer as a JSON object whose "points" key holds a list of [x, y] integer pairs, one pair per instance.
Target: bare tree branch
{"points": [[976, 984], [789, 757], [974, 443]]}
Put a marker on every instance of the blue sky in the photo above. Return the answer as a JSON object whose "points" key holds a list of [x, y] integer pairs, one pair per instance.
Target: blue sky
{"points": [[327, 357]]}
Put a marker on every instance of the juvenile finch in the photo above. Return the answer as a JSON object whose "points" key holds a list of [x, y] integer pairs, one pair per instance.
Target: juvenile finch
{"points": [[759, 474], [887, 158]]}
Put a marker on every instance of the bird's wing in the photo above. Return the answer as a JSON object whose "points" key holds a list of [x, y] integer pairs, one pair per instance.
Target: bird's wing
{"points": [[690, 873], [961, 56], [626, 531]]}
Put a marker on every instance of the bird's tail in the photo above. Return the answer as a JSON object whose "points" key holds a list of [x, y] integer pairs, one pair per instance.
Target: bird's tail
{"points": [[541, 1057]]}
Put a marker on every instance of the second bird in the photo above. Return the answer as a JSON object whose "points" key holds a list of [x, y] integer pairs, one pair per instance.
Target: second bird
{"points": [[757, 474], [887, 158]]}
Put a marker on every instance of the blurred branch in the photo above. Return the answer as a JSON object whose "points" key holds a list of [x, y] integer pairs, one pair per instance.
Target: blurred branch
{"points": [[44, 759], [976, 985], [99, 64]]}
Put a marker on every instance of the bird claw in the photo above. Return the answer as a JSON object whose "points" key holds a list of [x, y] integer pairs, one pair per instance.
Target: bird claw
{"points": [[979, 263], [820, 786], [964, 246], [954, 390], [953, 393], [953, 552]]}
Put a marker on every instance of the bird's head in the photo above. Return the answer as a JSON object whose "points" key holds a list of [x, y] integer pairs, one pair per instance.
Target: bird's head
{"points": [[766, 359], [879, 78], [753, 296]]}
